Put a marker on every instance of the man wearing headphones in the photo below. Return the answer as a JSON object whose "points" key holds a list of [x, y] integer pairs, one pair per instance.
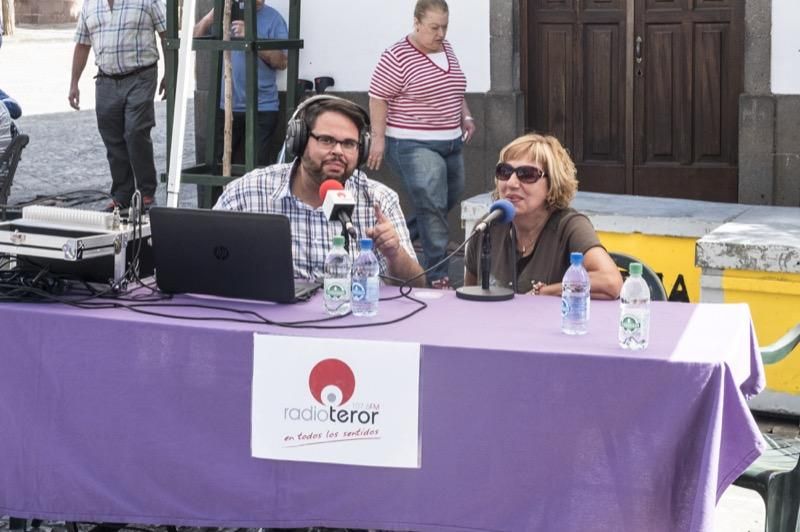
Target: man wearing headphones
{"points": [[330, 140]]}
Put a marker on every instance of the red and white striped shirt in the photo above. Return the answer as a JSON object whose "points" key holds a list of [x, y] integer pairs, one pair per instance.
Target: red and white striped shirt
{"points": [[424, 99]]}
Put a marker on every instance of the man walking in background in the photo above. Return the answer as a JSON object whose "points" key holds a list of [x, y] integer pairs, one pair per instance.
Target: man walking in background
{"points": [[123, 36]]}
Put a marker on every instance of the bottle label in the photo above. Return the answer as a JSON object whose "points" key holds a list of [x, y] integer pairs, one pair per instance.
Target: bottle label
{"points": [[337, 289], [359, 291], [630, 324], [575, 306], [633, 322]]}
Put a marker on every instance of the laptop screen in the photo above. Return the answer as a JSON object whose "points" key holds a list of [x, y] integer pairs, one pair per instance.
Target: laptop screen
{"points": [[232, 254]]}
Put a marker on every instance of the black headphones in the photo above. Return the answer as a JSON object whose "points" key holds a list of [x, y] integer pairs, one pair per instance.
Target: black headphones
{"points": [[297, 128]]}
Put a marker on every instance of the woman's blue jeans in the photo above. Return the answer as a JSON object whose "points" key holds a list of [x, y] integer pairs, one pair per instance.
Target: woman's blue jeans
{"points": [[433, 173]]}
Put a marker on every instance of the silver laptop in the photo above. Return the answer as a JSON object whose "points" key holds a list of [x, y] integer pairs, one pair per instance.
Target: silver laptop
{"points": [[231, 254]]}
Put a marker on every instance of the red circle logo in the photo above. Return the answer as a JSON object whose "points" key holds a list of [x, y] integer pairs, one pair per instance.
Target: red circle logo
{"points": [[332, 382]]}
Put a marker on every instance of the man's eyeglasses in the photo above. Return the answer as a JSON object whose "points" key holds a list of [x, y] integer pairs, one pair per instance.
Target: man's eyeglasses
{"points": [[328, 142], [526, 174]]}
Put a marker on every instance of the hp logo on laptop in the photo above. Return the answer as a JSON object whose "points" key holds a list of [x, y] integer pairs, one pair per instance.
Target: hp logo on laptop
{"points": [[221, 252]]}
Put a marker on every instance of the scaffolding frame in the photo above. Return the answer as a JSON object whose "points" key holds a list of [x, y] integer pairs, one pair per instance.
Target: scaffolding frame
{"points": [[207, 175]]}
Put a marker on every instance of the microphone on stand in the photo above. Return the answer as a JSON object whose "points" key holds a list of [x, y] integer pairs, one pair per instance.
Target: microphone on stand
{"points": [[501, 211], [338, 204]]}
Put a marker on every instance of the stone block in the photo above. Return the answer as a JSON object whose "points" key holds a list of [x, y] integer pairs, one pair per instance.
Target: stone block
{"points": [[787, 124], [46, 11], [756, 149], [28, 18], [787, 179], [761, 247], [504, 63], [477, 106], [502, 17], [757, 46], [504, 55], [505, 122], [51, 9]]}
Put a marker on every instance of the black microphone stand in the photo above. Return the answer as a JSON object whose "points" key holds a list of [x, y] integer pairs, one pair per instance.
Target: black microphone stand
{"points": [[484, 292]]}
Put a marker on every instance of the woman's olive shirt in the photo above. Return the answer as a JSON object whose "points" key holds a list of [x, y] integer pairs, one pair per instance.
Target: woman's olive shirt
{"points": [[565, 231]]}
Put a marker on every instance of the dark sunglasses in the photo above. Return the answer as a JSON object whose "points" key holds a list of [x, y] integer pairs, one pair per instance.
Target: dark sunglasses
{"points": [[526, 174]]}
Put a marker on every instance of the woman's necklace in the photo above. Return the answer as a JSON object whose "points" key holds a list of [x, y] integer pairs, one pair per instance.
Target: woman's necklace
{"points": [[535, 230], [529, 247], [525, 249]]}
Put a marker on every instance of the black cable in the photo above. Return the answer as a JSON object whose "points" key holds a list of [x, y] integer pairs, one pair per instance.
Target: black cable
{"points": [[26, 290], [41, 286], [407, 282], [404, 288], [71, 198], [143, 308]]}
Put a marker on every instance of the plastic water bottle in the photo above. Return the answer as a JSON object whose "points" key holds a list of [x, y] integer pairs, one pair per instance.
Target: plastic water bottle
{"points": [[575, 300], [337, 279], [634, 310], [366, 281]]}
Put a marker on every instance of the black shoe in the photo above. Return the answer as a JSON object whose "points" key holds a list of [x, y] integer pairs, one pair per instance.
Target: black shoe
{"points": [[147, 202]]}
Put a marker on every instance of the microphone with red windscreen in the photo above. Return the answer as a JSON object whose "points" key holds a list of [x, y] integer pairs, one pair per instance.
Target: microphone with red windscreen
{"points": [[338, 204]]}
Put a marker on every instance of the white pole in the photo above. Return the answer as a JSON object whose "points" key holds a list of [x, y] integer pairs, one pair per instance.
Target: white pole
{"points": [[182, 88]]}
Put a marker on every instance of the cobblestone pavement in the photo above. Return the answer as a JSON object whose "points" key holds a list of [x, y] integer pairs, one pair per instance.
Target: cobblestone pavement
{"points": [[66, 153]]}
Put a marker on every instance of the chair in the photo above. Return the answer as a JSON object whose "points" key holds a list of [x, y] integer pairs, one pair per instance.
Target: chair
{"points": [[9, 160], [623, 261], [778, 350], [775, 475]]}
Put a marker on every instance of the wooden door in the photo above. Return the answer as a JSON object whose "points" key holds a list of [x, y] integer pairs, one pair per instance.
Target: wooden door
{"points": [[644, 93]]}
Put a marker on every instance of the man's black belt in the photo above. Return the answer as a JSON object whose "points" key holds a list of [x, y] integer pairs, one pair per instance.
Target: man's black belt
{"points": [[101, 74]]}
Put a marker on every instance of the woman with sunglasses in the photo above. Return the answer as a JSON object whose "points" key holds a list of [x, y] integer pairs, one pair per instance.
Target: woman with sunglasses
{"points": [[537, 176]]}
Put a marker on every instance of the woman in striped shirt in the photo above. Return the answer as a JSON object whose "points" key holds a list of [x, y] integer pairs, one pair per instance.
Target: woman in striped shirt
{"points": [[420, 120]]}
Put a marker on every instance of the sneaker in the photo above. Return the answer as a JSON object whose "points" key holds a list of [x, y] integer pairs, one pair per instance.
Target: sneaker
{"points": [[441, 284]]}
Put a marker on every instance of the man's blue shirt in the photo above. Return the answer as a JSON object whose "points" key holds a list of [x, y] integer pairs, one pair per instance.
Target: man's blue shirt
{"points": [[11, 104], [269, 25]]}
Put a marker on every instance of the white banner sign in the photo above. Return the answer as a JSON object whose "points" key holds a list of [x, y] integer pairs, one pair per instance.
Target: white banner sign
{"points": [[336, 401]]}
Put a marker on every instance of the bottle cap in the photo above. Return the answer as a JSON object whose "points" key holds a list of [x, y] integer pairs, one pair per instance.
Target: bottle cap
{"points": [[635, 268], [338, 241], [576, 258], [366, 244]]}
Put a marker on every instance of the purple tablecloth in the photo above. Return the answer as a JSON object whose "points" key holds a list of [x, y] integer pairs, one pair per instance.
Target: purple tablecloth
{"points": [[116, 416]]}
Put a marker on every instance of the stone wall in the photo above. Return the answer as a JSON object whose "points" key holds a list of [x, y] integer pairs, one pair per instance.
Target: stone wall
{"points": [[47, 11], [769, 139]]}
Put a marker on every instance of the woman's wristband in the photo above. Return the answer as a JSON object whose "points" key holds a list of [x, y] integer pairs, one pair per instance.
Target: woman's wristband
{"points": [[469, 118]]}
